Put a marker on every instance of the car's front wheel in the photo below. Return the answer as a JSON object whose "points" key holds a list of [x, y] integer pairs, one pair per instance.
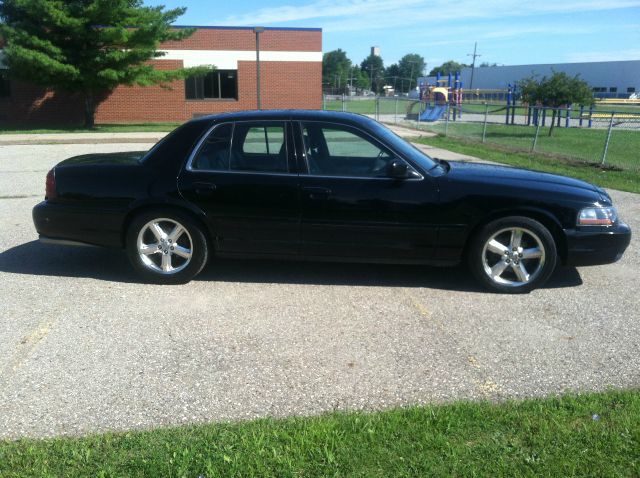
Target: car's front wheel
{"points": [[166, 247], [513, 255]]}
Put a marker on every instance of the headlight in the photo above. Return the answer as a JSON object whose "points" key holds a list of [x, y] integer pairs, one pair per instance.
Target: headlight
{"points": [[598, 216]]}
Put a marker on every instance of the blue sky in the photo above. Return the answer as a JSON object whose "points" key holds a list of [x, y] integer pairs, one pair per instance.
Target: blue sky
{"points": [[509, 32]]}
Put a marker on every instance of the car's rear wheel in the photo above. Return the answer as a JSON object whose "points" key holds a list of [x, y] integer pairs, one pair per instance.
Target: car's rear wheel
{"points": [[166, 247], [513, 255]]}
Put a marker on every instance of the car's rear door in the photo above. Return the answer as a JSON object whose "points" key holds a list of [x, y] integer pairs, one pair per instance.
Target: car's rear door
{"points": [[243, 177], [351, 207]]}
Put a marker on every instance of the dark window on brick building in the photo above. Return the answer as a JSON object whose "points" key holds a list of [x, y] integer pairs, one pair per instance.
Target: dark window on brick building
{"points": [[219, 84], [5, 89]]}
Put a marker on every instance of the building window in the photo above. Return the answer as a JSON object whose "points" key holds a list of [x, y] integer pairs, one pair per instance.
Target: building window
{"points": [[599, 89], [631, 89], [5, 89], [613, 89], [219, 84]]}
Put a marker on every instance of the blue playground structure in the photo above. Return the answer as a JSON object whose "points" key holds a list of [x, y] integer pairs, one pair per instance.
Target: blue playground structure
{"points": [[442, 97], [433, 113]]}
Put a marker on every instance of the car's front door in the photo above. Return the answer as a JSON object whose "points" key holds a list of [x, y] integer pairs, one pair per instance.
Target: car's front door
{"points": [[243, 177], [352, 207]]}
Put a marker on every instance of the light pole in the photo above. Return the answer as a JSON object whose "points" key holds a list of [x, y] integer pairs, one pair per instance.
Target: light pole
{"points": [[258, 31]]}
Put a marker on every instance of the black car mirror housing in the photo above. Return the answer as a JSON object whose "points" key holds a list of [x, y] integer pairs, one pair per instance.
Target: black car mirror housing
{"points": [[398, 169]]}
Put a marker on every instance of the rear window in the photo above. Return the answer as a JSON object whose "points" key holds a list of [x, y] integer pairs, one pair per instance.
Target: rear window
{"points": [[215, 150], [176, 146]]}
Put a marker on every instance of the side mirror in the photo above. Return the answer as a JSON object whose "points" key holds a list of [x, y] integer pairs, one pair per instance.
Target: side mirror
{"points": [[398, 169]]}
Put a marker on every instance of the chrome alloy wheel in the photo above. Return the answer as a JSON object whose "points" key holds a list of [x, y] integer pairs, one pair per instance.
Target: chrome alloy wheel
{"points": [[513, 257], [164, 246]]}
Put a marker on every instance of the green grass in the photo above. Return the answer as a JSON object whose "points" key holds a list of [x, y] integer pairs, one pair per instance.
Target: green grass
{"points": [[100, 128], [541, 437], [571, 143], [368, 106], [388, 105], [624, 180]]}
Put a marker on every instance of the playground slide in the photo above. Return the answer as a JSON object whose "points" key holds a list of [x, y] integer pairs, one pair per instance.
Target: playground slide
{"points": [[432, 114]]}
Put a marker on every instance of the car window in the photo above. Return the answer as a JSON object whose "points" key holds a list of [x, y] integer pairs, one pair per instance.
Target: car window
{"points": [[332, 150], [347, 144], [259, 147], [215, 151], [264, 140]]}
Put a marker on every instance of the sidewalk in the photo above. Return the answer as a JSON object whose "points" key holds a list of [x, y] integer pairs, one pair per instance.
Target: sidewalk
{"points": [[81, 138], [408, 133], [154, 137]]}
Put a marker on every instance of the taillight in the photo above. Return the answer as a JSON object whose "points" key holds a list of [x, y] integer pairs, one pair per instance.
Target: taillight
{"points": [[50, 189]]}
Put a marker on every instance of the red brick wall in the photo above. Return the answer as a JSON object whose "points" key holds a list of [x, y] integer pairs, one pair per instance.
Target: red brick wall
{"points": [[284, 85], [29, 104], [245, 39]]}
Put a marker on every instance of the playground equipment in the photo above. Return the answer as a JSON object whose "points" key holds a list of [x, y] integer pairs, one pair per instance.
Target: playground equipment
{"points": [[445, 99]]}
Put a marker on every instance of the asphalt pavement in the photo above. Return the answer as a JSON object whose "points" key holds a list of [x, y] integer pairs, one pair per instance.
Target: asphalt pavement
{"points": [[85, 347]]}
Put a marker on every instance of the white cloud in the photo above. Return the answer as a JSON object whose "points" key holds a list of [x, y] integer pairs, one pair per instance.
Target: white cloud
{"points": [[314, 11], [353, 15]]}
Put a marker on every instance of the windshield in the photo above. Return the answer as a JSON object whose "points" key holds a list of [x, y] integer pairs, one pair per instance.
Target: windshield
{"points": [[403, 147]]}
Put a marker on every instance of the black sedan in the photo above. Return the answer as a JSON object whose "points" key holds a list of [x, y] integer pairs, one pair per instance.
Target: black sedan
{"points": [[324, 186]]}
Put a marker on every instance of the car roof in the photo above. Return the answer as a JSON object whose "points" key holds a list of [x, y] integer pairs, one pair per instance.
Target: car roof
{"points": [[317, 115]]}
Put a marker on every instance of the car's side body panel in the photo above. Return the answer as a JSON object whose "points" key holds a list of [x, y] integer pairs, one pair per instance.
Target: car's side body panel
{"points": [[427, 218]]}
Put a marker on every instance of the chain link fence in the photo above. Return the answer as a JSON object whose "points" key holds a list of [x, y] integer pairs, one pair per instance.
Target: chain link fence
{"points": [[608, 138]]}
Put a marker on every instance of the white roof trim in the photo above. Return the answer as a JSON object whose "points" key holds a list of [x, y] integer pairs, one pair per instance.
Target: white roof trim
{"points": [[228, 59]]}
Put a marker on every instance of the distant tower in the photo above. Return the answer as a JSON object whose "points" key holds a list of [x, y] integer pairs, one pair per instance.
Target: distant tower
{"points": [[375, 50]]}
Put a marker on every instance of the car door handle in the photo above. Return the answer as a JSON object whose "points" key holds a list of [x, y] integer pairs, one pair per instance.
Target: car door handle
{"points": [[317, 193], [204, 189]]}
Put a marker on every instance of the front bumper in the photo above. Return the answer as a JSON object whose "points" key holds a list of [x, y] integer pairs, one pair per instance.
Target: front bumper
{"points": [[591, 246]]}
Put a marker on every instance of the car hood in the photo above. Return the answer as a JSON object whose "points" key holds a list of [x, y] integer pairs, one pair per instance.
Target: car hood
{"points": [[491, 174], [103, 159]]}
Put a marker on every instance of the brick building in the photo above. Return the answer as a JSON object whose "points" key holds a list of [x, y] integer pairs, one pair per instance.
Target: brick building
{"points": [[290, 72]]}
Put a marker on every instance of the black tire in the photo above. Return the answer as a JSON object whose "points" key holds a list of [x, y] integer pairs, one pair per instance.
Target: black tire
{"points": [[500, 268], [167, 261]]}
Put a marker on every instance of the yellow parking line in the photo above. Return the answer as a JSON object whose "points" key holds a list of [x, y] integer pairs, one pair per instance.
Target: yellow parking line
{"points": [[483, 382], [26, 347]]}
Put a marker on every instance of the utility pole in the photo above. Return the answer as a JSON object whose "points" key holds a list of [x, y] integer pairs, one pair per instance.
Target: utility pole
{"points": [[473, 64], [258, 31], [411, 75], [371, 68]]}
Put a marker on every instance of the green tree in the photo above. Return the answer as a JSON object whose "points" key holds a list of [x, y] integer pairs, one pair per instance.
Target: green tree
{"points": [[406, 72], [555, 91], [393, 76], [373, 66], [411, 67], [360, 78], [336, 68], [448, 67], [88, 46]]}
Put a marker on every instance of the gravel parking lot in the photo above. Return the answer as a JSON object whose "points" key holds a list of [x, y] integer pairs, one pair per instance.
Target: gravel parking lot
{"points": [[86, 348]]}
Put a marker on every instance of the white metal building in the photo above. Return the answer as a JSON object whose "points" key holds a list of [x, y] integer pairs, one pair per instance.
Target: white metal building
{"points": [[609, 79]]}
